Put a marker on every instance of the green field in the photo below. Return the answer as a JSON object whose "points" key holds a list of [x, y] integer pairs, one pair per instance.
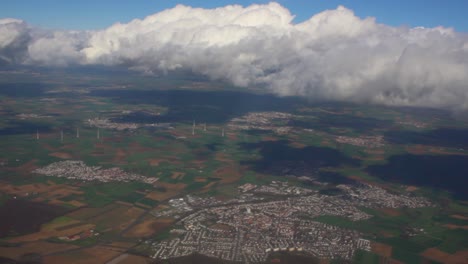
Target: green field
{"points": [[208, 164]]}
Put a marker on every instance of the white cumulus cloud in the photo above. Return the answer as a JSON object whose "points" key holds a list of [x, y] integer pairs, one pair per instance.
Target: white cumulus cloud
{"points": [[333, 55]]}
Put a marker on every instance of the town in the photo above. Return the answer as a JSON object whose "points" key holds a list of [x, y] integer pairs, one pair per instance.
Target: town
{"points": [[109, 124], [77, 170], [31, 116], [362, 141], [272, 218], [414, 123], [274, 121]]}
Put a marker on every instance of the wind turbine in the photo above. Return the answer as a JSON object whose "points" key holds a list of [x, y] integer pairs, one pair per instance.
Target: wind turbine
{"points": [[193, 128]]}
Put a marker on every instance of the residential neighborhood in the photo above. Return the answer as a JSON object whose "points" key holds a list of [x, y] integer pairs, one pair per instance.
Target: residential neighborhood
{"points": [[272, 218]]}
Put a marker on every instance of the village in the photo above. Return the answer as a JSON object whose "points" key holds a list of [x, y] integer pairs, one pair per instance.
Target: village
{"points": [[31, 116], [109, 124], [263, 121], [414, 123], [271, 218], [362, 141], [78, 170]]}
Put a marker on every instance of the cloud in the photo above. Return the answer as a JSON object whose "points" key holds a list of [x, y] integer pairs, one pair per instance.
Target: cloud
{"points": [[14, 39], [334, 55], [58, 48]]}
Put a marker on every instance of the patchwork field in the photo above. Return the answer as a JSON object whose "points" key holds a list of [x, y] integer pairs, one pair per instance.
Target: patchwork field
{"points": [[40, 247], [149, 226], [317, 146], [98, 254], [170, 190], [381, 249], [117, 219]]}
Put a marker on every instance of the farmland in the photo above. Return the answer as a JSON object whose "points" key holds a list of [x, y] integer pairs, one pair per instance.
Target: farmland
{"points": [[153, 149]]}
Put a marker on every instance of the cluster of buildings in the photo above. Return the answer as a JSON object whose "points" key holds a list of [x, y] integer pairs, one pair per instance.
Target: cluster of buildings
{"points": [[276, 217], [31, 116], [375, 197], [413, 123], [253, 245], [77, 170], [82, 235], [180, 206], [278, 188], [273, 121], [109, 124], [362, 141]]}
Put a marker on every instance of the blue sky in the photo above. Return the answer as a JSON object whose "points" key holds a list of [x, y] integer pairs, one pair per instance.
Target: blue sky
{"points": [[97, 14]]}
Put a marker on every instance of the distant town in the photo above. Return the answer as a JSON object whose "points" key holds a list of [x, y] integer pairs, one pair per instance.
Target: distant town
{"points": [[362, 141], [274, 121], [77, 170], [109, 124], [31, 116]]}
